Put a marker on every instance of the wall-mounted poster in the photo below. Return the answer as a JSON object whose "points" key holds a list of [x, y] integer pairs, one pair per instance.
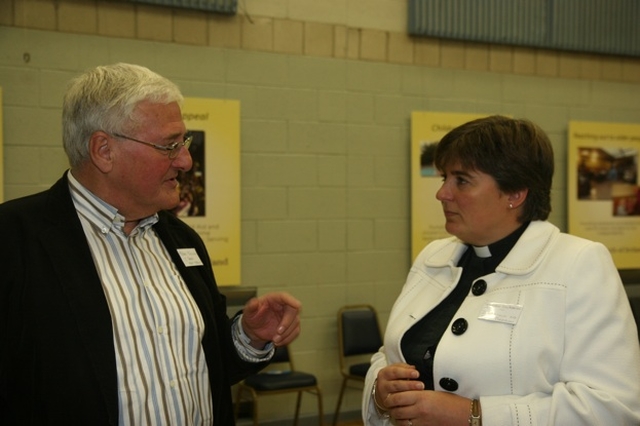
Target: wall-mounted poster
{"points": [[1, 157], [603, 188], [427, 220], [210, 191]]}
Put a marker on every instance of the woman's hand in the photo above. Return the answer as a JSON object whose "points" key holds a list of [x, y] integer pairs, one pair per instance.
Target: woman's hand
{"points": [[403, 397]]}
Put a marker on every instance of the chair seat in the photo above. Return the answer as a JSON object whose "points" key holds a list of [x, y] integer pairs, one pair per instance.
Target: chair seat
{"points": [[272, 382], [359, 369], [280, 381]]}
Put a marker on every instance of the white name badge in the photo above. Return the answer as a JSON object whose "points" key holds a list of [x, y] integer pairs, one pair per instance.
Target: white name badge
{"points": [[500, 312], [190, 257]]}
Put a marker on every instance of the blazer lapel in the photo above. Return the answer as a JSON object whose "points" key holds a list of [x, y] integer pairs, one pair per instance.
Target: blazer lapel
{"points": [[71, 257]]}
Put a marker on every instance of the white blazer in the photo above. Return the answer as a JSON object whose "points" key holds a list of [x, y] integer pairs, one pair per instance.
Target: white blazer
{"points": [[563, 349]]}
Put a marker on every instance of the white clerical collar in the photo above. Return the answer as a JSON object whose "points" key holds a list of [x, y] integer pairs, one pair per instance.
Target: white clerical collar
{"points": [[483, 251]]}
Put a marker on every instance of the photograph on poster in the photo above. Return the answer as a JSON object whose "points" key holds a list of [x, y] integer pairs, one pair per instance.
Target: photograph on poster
{"points": [[193, 182], [427, 157], [604, 173], [610, 174]]}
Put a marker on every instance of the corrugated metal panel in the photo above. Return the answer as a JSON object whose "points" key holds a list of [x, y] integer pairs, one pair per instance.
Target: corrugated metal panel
{"points": [[220, 6], [599, 26]]}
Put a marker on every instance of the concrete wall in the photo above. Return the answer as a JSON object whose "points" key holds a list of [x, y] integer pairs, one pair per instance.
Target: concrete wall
{"points": [[326, 92]]}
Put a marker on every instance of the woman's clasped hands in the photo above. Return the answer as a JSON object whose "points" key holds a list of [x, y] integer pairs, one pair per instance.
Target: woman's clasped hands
{"points": [[400, 394]]}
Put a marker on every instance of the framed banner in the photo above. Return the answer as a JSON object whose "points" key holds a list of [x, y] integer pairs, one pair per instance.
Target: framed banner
{"points": [[427, 219], [603, 191], [1, 153], [210, 191]]}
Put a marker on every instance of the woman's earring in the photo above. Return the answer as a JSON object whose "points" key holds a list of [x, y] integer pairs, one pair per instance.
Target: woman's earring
{"points": [[510, 205]]}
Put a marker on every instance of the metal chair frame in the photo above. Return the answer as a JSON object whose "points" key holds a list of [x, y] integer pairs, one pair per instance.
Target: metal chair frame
{"points": [[282, 356], [367, 342]]}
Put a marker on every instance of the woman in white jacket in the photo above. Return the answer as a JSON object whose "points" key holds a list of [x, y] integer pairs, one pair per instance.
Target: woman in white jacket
{"points": [[510, 321]]}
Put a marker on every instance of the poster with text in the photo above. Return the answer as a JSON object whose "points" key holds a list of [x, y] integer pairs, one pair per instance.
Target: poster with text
{"points": [[210, 191], [1, 155], [427, 220], [603, 190]]}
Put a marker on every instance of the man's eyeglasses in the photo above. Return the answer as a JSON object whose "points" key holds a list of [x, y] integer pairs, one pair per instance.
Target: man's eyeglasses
{"points": [[172, 149]]}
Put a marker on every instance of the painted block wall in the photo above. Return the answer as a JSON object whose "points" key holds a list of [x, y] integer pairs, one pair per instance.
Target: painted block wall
{"points": [[325, 130]]}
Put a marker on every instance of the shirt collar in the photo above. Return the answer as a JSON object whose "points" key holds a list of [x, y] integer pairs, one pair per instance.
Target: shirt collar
{"points": [[99, 213], [501, 248], [494, 253]]}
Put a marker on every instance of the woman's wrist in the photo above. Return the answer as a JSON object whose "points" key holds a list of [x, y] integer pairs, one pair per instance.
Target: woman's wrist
{"points": [[382, 411]]}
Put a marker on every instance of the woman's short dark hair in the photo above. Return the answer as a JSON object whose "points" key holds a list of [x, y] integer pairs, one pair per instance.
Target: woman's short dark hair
{"points": [[515, 152]]}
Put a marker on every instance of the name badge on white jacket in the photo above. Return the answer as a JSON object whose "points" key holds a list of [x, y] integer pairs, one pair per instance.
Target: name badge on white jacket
{"points": [[500, 312]]}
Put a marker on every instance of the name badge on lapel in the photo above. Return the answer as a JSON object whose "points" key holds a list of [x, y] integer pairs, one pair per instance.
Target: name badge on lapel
{"points": [[190, 257], [501, 312]]}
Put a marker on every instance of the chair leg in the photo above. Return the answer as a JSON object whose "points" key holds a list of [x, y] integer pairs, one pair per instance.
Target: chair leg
{"points": [[236, 407], [255, 411], [337, 413], [320, 412], [298, 403], [239, 395]]}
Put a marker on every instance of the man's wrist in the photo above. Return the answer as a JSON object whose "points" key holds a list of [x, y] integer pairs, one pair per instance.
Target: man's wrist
{"points": [[248, 340], [243, 345]]}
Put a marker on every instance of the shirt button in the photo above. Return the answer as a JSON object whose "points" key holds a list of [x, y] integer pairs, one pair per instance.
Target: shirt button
{"points": [[173, 383], [449, 384], [479, 287], [459, 326], [160, 329]]}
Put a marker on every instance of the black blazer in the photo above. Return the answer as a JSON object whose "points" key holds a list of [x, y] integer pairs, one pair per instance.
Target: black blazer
{"points": [[57, 359]]}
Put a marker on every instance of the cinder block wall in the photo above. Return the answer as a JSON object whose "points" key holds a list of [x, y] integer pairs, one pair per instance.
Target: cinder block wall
{"points": [[326, 92]]}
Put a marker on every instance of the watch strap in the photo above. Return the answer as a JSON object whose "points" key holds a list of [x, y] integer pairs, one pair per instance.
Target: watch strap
{"points": [[475, 419]]}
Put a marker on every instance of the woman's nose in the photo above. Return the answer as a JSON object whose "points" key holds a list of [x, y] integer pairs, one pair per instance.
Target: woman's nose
{"points": [[443, 193]]}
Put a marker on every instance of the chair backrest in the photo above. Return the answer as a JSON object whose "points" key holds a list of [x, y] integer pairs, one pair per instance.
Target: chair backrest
{"points": [[358, 330], [282, 356]]}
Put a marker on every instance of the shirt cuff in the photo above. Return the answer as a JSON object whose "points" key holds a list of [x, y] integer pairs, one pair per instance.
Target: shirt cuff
{"points": [[242, 343]]}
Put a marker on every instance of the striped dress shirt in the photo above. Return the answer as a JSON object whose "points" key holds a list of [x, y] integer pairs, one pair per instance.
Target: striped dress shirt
{"points": [[162, 371]]}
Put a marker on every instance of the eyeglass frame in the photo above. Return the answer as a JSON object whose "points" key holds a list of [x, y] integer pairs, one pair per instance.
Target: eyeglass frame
{"points": [[172, 149]]}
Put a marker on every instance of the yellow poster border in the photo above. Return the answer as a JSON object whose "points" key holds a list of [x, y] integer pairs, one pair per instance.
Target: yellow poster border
{"points": [[603, 188], [427, 220], [216, 125], [1, 152]]}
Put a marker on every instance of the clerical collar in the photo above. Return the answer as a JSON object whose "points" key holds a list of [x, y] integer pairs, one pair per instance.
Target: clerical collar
{"points": [[500, 248], [482, 252], [494, 253]]}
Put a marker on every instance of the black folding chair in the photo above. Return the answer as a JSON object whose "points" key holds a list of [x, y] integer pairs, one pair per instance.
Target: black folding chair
{"points": [[276, 382], [358, 338]]}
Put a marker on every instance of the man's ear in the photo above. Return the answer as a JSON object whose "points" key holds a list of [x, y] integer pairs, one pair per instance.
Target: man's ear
{"points": [[518, 197], [100, 151]]}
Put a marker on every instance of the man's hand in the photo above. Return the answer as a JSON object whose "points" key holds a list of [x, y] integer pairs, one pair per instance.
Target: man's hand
{"points": [[274, 317]]}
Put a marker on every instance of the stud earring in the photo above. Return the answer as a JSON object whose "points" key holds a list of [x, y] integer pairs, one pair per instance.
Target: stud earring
{"points": [[510, 205]]}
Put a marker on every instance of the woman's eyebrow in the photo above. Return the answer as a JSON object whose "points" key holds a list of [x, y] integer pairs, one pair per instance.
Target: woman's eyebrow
{"points": [[462, 173]]}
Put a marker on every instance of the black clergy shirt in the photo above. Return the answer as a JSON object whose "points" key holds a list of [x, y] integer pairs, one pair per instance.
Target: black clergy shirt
{"points": [[420, 342]]}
